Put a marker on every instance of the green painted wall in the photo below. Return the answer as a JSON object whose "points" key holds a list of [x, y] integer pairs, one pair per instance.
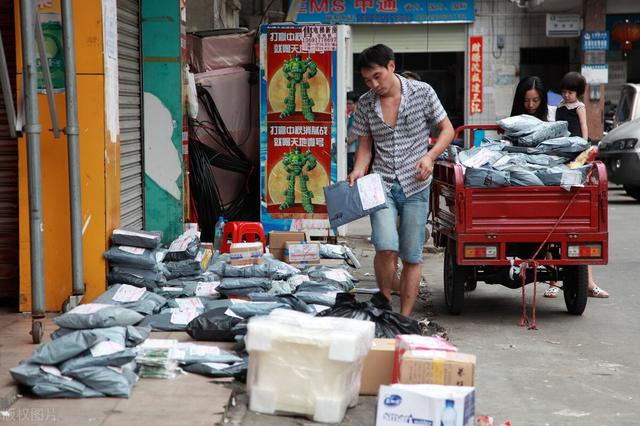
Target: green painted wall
{"points": [[162, 86]]}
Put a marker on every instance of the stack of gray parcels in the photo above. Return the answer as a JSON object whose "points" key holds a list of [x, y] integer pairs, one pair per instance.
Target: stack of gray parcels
{"points": [[532, 153], [135, 258], [89, 356]]}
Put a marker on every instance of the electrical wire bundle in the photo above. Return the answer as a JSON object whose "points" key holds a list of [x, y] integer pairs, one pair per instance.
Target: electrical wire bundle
{"points": [[205, 190]]}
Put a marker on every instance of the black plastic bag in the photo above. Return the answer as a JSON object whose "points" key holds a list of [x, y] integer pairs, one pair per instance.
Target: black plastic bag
{"points": [[213, 325], [388, 323], [238, 369]]}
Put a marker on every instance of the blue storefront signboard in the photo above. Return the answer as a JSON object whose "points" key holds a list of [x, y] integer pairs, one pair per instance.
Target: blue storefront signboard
{"points": [[595, 40], [381, 11]]}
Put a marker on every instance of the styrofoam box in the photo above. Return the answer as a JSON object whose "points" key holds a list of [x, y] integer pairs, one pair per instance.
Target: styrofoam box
{"points": [[306, 365]]}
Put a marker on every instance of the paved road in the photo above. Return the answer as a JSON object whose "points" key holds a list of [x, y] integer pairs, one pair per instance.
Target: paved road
{"points": [[573, 370]]}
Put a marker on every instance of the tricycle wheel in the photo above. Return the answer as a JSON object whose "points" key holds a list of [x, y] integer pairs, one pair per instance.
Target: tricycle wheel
{"points": [[575, 288], [454, 278]]}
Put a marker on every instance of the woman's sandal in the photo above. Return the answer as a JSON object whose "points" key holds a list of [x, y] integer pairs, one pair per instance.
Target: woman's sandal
{"points": [[598, 292], [552, 292]]}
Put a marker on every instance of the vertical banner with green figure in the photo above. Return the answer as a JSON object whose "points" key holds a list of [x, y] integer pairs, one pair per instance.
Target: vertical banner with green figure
{"points": [[51, 22], [298, 126]]}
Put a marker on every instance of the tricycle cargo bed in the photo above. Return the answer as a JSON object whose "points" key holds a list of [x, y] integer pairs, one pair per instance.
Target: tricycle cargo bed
{"points": [[517, 215]]}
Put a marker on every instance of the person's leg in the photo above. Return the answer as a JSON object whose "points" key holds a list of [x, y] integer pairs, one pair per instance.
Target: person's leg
{"points": [[384, 236], [395, 286], [384, 267], [594, 290], [554, 288], [410, 284], [413, 217]]}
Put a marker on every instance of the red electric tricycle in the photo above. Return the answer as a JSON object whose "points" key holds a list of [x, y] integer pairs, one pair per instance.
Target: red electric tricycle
{"points": [[488, 233]]}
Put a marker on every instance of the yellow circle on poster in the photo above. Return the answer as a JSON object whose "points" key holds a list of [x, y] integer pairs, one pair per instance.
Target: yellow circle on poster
{"points": [[318, 91], [277, 184]]}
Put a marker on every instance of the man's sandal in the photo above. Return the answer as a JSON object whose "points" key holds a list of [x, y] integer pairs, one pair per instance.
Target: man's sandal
{"points": [[552, 292], [598, 292]]}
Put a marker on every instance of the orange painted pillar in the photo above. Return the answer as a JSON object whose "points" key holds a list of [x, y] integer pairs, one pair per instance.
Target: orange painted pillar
{"points": [[99, 157]]}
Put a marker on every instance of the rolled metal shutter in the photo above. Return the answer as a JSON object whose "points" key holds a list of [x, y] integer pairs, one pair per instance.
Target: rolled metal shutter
{"points": [[9, 276], [410, 38], [130, 103]]}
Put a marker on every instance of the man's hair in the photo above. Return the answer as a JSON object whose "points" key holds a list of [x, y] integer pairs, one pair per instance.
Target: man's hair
{"points": [[352, 96], [375, 55], [573, 81]]}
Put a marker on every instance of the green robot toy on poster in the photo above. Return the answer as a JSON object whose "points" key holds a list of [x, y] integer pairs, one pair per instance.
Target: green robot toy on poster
{"points": [[297, 163], [295, 69]]}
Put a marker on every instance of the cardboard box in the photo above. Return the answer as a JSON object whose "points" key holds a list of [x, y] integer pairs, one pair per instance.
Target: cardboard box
{"points": [[301, 252], [437, 368], [426, 405], [277, 240], [378, 366], [245, 253], [331, 262], [412, 342]]}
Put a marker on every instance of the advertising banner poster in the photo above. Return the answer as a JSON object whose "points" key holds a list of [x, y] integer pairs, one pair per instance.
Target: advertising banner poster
{"points": [[297, 123], [381, 11], [475, 75], [51, 23]]}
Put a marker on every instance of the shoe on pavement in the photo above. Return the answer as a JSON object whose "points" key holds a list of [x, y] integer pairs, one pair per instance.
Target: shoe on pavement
{"points": [[598, 293]]}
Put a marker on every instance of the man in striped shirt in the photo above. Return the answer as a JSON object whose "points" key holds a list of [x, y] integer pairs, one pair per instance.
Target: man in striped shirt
{"points": [[395, 117]]}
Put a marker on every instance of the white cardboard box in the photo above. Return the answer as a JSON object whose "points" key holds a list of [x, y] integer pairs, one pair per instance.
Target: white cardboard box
{"points": [[425, 405]]}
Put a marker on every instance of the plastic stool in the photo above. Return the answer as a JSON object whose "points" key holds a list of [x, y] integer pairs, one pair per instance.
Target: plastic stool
{"points": [[237, 232], [229, 234], [247, 231]]}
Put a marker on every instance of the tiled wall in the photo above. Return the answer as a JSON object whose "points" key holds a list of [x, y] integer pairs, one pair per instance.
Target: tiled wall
{"points": [[520, 29]]}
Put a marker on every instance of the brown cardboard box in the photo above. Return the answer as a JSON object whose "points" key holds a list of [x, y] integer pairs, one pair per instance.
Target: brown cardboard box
{"points": [[437, 368], [378, 366], [301, 252], [277, 240], [331, 262], [245, 253]]}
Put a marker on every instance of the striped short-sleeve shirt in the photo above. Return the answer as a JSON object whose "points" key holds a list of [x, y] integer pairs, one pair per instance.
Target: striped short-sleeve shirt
{"points": [[399, 148]]}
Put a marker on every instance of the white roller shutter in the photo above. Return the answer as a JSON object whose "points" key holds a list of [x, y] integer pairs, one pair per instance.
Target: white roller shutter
{"points": [[130, 103], [411, 38]]}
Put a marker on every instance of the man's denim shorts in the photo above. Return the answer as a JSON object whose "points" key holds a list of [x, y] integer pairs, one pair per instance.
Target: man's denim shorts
{"points": [[408, 238]]}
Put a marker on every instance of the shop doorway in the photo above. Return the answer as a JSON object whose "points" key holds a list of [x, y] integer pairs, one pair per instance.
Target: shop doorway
{"points": [[548, 63], [444, 71]]}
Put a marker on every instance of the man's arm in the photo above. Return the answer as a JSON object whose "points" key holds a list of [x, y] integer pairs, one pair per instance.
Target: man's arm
{"points": [[363, 158], [425, 165]]}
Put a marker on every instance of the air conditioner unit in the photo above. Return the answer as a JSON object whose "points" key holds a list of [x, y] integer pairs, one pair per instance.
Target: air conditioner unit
{"points": [[562, 25]]}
